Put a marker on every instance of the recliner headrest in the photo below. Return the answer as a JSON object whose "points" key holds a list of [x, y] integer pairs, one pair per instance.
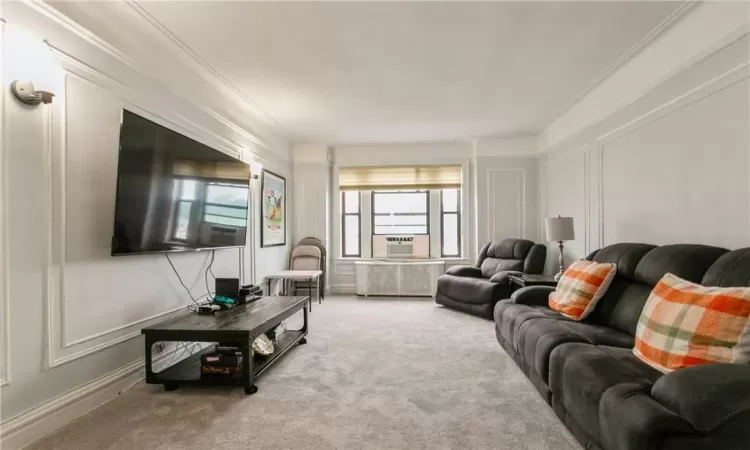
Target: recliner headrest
{"points": [[509, 249]]}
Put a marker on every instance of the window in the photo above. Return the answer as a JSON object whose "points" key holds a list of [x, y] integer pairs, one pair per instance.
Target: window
{"points": [[400, 212], [351, 220], [226, 204], [450, 222], [187, 192]]}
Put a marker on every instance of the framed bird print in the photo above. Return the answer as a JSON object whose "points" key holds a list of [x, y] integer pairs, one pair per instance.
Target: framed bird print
{"points": [[272, 209]]}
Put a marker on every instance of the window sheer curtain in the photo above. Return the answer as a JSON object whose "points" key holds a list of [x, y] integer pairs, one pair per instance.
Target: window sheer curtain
{"points": [[392, 178]]}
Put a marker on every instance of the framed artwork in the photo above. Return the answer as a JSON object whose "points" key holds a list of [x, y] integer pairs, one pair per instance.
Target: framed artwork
{"points": [[272, 209]]}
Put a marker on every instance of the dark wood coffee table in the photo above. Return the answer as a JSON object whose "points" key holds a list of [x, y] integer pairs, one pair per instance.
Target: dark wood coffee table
{"points": [[238, 327]]}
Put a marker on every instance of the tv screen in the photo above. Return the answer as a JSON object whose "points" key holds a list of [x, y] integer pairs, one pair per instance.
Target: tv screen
{"points": [[174, 193]]}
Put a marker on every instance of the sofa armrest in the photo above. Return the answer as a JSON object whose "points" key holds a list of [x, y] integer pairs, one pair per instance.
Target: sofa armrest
{"points": [[706, 396], [465, 271], [630, 419], [532, 295], [504, 277]]}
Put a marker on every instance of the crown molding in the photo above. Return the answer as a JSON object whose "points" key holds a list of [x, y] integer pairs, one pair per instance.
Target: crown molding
{"points": [[66, 22], [204, 67], [657, 31], [212, 78]]}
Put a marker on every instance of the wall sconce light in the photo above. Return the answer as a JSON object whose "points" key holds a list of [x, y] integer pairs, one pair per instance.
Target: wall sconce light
{"points": [[26, 93], [32, 67]]}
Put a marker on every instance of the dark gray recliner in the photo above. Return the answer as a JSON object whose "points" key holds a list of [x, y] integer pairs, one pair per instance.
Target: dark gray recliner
{"points": [[476, 289]]}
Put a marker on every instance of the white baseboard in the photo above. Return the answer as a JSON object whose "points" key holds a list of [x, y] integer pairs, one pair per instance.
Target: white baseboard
{"points": [[32, 425], [38, 422]]}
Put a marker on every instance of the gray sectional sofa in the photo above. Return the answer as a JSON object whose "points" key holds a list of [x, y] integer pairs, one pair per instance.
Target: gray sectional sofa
{"points": [[606, 396]]}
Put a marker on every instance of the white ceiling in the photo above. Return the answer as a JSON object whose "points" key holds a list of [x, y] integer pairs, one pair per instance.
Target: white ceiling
{"points": [[392, 71]]}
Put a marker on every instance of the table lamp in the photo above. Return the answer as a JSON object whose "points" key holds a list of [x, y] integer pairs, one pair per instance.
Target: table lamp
{"points": [[560, 229]]}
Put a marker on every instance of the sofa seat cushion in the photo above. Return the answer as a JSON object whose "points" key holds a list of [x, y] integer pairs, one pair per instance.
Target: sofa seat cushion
{"points": [[509, 316], [535, 331], [538, 338], [469, 290], [580, 374]]}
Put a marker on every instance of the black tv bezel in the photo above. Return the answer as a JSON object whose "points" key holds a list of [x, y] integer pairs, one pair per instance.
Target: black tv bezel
{"points": [[117, 195]]}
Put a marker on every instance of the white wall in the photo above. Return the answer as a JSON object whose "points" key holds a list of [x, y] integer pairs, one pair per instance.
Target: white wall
{"points": [[697, 29], [71, 313], [312, 193], [673, 165], [312, 175], [507, 187], [499, 197]]}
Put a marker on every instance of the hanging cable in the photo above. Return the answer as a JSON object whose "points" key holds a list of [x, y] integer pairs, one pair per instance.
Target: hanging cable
{"points": [[180, 278], [205, 275]]}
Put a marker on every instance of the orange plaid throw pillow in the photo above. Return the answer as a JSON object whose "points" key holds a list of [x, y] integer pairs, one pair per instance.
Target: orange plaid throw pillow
{"points": [[581, 287], [685, 324]]}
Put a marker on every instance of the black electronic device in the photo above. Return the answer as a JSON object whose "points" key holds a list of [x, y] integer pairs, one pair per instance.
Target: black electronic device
{"points": [[228, 287], [249, 293], [242, 299], [175, 193], [251, 290], [252, 298]]}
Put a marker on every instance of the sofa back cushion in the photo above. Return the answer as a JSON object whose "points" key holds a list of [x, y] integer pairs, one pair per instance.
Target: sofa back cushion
{"points": [[639, 269], [622, 292], [500, 256], [688, 261], [732, 269]]}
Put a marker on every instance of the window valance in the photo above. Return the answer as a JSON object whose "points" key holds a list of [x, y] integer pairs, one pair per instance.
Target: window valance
{"points": [[379, 178]]}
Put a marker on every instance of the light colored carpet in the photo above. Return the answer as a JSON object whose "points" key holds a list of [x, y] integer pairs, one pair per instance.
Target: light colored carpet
{"points": [[375, 374]]}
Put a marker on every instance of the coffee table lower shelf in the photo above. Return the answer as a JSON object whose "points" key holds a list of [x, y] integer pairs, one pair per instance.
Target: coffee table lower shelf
{"points": [[188, 371]]}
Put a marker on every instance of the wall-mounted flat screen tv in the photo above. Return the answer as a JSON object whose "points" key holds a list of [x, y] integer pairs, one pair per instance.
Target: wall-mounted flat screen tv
{"points": [[176, 194]]}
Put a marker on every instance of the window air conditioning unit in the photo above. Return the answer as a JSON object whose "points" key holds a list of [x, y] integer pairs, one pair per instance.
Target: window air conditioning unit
{"points": [[401, 247], [222, 236]]}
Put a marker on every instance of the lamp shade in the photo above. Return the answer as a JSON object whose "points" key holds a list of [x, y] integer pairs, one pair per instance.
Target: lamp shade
{"points": [[560, 229]]}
